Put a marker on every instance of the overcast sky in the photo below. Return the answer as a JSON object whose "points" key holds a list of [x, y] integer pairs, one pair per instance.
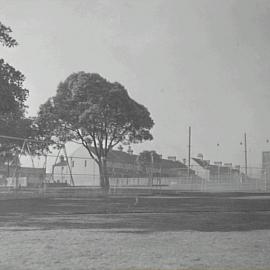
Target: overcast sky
{"points": [[202, 63]]}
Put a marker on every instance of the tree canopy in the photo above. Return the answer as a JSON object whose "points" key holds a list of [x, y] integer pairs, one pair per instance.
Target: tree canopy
{"points": [[12, 100], [96, 112], [12, 93], [5, 36]]}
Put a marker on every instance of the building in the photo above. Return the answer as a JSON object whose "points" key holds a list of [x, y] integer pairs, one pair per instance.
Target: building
{"points": [[173, 168], [216, 172], [201, 167], [27, 176], [120, 165], [34, 176]]}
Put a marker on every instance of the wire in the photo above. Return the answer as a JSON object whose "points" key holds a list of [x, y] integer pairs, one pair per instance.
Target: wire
{"points": [[24, 139]]}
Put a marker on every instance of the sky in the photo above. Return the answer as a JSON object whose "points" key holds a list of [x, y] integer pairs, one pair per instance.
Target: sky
{"points": [[198, 63]]}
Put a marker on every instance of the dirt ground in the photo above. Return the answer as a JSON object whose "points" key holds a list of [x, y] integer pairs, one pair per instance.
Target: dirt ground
{"points": [[185, 231]]}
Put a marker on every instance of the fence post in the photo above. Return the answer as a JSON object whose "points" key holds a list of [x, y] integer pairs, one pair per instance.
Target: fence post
{"points": [[265, 181]]}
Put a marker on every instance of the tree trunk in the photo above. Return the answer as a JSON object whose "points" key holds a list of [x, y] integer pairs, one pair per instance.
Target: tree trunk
{"points": [[104, 178]]}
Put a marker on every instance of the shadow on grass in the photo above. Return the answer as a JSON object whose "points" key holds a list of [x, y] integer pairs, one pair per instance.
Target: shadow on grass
{"points": [[122, 214]]}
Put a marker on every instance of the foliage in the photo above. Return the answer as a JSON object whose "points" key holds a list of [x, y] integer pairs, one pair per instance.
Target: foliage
{"points": [[5, 37], [12, 93], [12, 101], [15, 127], [96, 112]]}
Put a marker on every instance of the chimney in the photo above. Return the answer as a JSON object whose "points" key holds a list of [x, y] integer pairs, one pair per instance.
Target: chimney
{"points": [[200, 156]]}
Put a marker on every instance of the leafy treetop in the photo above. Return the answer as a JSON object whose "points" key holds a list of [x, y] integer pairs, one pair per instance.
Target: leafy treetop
{"points": [[12, 101], [96, 112], [5, 37]]}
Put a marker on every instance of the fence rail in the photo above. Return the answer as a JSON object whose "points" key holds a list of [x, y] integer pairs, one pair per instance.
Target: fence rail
{"points": [[52, 170]]}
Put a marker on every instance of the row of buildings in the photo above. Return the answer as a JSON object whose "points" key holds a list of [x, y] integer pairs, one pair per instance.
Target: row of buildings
{"points": [[81, 170]]}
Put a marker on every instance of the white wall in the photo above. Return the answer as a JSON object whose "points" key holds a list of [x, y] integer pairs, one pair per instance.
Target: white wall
{"points": [[61, 174], [200, 171], [84, 169]]}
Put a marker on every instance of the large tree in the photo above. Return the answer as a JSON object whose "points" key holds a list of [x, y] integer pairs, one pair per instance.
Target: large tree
{"points": [[12, 93], [96, 112], [12, 101]]}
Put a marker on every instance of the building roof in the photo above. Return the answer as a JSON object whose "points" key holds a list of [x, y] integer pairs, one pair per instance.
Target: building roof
{"points": [[116, 156], [169, 164], [214, 169], [201, 162], [121, 157]]}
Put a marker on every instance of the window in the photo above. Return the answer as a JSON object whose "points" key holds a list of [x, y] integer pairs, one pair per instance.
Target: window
{"points": [[85, 163], [72, 163]]}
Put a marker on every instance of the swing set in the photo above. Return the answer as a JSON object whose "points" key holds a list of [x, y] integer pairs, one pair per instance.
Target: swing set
{"points": [[26, 148]]}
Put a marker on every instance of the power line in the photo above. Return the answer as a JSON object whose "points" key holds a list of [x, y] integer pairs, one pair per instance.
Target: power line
{"points": [[28, 140]]}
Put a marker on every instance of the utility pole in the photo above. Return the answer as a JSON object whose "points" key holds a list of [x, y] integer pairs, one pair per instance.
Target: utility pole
{"points": [[189, 149], [245, 143]]}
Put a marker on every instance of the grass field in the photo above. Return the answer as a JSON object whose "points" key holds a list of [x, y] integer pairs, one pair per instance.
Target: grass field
{"points": [[184, 231]]}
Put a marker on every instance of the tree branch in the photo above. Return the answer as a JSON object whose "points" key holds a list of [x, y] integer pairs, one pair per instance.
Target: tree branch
{"points": [[86, 146], [111, 144]]}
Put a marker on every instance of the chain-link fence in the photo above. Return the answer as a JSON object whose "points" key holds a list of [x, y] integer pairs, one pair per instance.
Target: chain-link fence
{"points": [[71, 171]]}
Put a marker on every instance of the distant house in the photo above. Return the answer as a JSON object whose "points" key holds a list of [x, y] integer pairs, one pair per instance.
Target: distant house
{"points": [[172, 168], [201, 168], [85, 171], [215, 172], [32, 177], [120, 164]]}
